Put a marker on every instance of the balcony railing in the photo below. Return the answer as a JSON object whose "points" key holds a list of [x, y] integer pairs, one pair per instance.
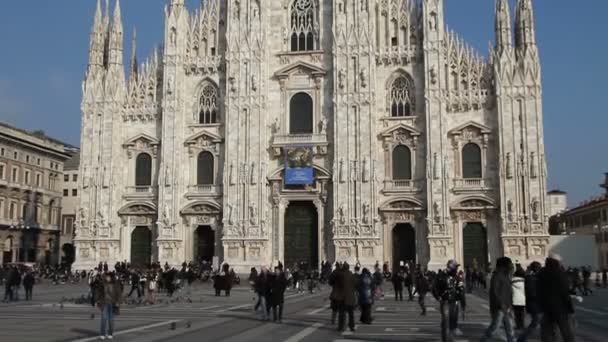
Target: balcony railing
{"points": [[472, 184], [140, 191], [402, 185], [309, 138], [204, 190]]}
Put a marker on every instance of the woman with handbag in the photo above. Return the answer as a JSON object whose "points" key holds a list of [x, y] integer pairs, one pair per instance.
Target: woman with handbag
{"points": [[108, 297]]}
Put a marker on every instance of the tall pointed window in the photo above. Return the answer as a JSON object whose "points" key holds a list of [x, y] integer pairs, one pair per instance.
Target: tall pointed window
{"points": [[401, 97], [300, 114], [471, 161], [207, 104], [303, 25], [204, 172], [143, 170], [402, 163]]}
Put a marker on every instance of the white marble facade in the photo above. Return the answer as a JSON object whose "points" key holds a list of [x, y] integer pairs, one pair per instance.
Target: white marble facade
{"points": [[382, 75]]}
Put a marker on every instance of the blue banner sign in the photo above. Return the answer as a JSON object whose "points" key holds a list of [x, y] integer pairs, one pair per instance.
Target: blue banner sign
{"points": [[298, 165]]}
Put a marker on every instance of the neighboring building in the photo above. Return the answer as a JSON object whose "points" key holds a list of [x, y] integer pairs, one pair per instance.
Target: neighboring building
{"points": [[70, 204], [589, 218], [557, 202], [402, 143], [31, 171]]}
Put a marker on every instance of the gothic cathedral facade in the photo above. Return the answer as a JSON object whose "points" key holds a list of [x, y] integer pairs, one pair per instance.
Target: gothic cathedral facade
{"points": [[418, 148]]}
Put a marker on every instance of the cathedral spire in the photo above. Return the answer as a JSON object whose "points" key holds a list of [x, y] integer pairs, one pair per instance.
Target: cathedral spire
{"points": [[96, 50], [116, 37], [524, 25], [504, 38], [133, 68]]}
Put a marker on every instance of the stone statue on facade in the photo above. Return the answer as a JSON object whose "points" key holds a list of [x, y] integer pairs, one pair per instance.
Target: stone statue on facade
{"points": [[366, 212], [253, 174], [342, 171], [341, 214], [231, 174], [510, 210], [365, 174], [436, 212], [435, 166], [230, 213], [253, 213]]}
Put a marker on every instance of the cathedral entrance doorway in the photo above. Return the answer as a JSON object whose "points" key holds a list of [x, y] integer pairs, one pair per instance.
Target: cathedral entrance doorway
{"points": [[141, 246], [475, 246], [301, 234], [404, 244], [204, 243]]}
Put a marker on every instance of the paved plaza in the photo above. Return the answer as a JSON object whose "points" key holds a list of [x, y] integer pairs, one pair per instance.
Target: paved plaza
{"points": [[204, 317]]}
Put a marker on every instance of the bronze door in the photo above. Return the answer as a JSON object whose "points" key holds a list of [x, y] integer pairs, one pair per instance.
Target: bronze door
{"points": [[141, 247], [404, 244], [475, 246], [301, 234]]}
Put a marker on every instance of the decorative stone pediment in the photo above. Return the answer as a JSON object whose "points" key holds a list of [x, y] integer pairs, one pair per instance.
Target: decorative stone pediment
{"points": [[400, 134], [138, 209], [301, 68], [474, 203], [141, 142], [470, 130], [201, 208], [203, 139], [401, 204]]}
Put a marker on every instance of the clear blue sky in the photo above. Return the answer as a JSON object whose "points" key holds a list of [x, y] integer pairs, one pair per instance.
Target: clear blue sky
{"points": [[44, 47]]}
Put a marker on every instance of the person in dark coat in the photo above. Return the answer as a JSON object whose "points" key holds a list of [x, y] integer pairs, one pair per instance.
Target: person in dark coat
{"points": [[366, 297], [28, 284], [422, 288], [409, 283], [532, 304], [555, 301], [277, 294], [501, 300], [347, 285], [135, 284], [335, 292], [398, 278], [262, 289]]}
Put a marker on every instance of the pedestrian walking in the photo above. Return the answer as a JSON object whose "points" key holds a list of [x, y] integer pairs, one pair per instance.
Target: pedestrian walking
{"points": [[422, 288], [409, 283], [28, 284], [532, 304], [518, 283], [262, 289], [347, 285], [555, 302], [277, 294], [398, 279], [501, 300], [135, 284], [449, 290], [152, 288], [334, 296], [108, 296], [366, 297]]}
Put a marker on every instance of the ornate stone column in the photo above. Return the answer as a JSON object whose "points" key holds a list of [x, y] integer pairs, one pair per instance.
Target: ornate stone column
{"points": [[321, 227], [281, 228]]}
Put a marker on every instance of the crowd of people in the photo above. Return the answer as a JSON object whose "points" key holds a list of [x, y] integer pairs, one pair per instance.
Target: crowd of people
{"points": [[546, 293]]}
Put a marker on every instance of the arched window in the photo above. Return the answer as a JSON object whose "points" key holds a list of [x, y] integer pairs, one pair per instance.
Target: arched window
{"points": [[304, 28], [401, 97], [204, 169], [300, 114], [207, 105], [143, 170], [402, 163], [471, 161]]}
